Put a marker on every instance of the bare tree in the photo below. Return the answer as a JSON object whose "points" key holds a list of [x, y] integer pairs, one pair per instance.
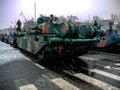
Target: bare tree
{"points": [[97, 18], [72, 18], [62, 19], [28, 24], [116, 20], [114, 17]]}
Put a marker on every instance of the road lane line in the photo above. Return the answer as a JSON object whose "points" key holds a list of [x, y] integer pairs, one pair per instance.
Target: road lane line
{"points": [[39, 66], [28, 59], [82, 57]]}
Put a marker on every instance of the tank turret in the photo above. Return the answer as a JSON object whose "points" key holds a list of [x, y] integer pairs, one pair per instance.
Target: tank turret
{"points": [[69, 30]]}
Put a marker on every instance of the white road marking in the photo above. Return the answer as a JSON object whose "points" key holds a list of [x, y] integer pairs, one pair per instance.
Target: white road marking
{"points": [[116, 67], [28, 87], [39, 66], [64, 84], [108, 67], [28, 59], [118, 64], [96, 82], [116, 77], [87, 58]]}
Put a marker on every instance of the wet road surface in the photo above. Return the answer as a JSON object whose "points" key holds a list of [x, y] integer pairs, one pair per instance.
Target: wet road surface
{"points": [[104, 66], [18, 72]]}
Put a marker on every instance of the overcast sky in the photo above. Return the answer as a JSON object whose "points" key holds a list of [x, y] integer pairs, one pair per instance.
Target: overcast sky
{"points": [[10, 9]]}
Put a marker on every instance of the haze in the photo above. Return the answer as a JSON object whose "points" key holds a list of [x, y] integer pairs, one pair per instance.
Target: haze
{"points": [[84, 9]]}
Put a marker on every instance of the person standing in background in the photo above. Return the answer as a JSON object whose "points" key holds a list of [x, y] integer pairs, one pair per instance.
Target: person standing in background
{"points": [[19, 24]]}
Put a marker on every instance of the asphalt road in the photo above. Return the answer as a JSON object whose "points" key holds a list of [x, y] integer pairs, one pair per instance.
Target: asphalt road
{"points": [[104, 66], [18, 72]]}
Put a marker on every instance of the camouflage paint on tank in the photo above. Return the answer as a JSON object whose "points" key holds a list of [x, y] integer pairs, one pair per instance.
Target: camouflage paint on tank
{"points": [[29, 47], [103, 40], [33, 44], [109, 37], [10, 40], [37, 39], [46, 28], [87, 31], [39, 43], [65, 28], [24, 43], [58, 49], [19, 43]]}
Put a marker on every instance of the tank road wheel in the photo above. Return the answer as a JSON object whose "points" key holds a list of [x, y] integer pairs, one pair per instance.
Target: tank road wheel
{"points": [[41, 55]]}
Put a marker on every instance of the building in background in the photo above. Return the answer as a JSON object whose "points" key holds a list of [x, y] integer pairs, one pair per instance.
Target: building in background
{"points": [[8, 30]]}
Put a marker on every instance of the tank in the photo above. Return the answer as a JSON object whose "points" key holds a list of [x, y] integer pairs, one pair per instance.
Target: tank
{"points": [[109, 36], [5, 38], [54, 39]]}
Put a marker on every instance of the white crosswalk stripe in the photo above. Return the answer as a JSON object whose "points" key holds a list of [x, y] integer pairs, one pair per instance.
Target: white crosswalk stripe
{"points": [[113, 76], [28, 87], [64, 84], [96, 82]]}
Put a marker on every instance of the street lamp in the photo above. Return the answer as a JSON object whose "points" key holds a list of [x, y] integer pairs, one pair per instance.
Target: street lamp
{"points": [[21, 14], [35, 11]]}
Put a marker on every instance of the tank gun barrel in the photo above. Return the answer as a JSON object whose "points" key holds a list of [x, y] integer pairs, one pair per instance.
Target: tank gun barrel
{"points": [[68, 40]]}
